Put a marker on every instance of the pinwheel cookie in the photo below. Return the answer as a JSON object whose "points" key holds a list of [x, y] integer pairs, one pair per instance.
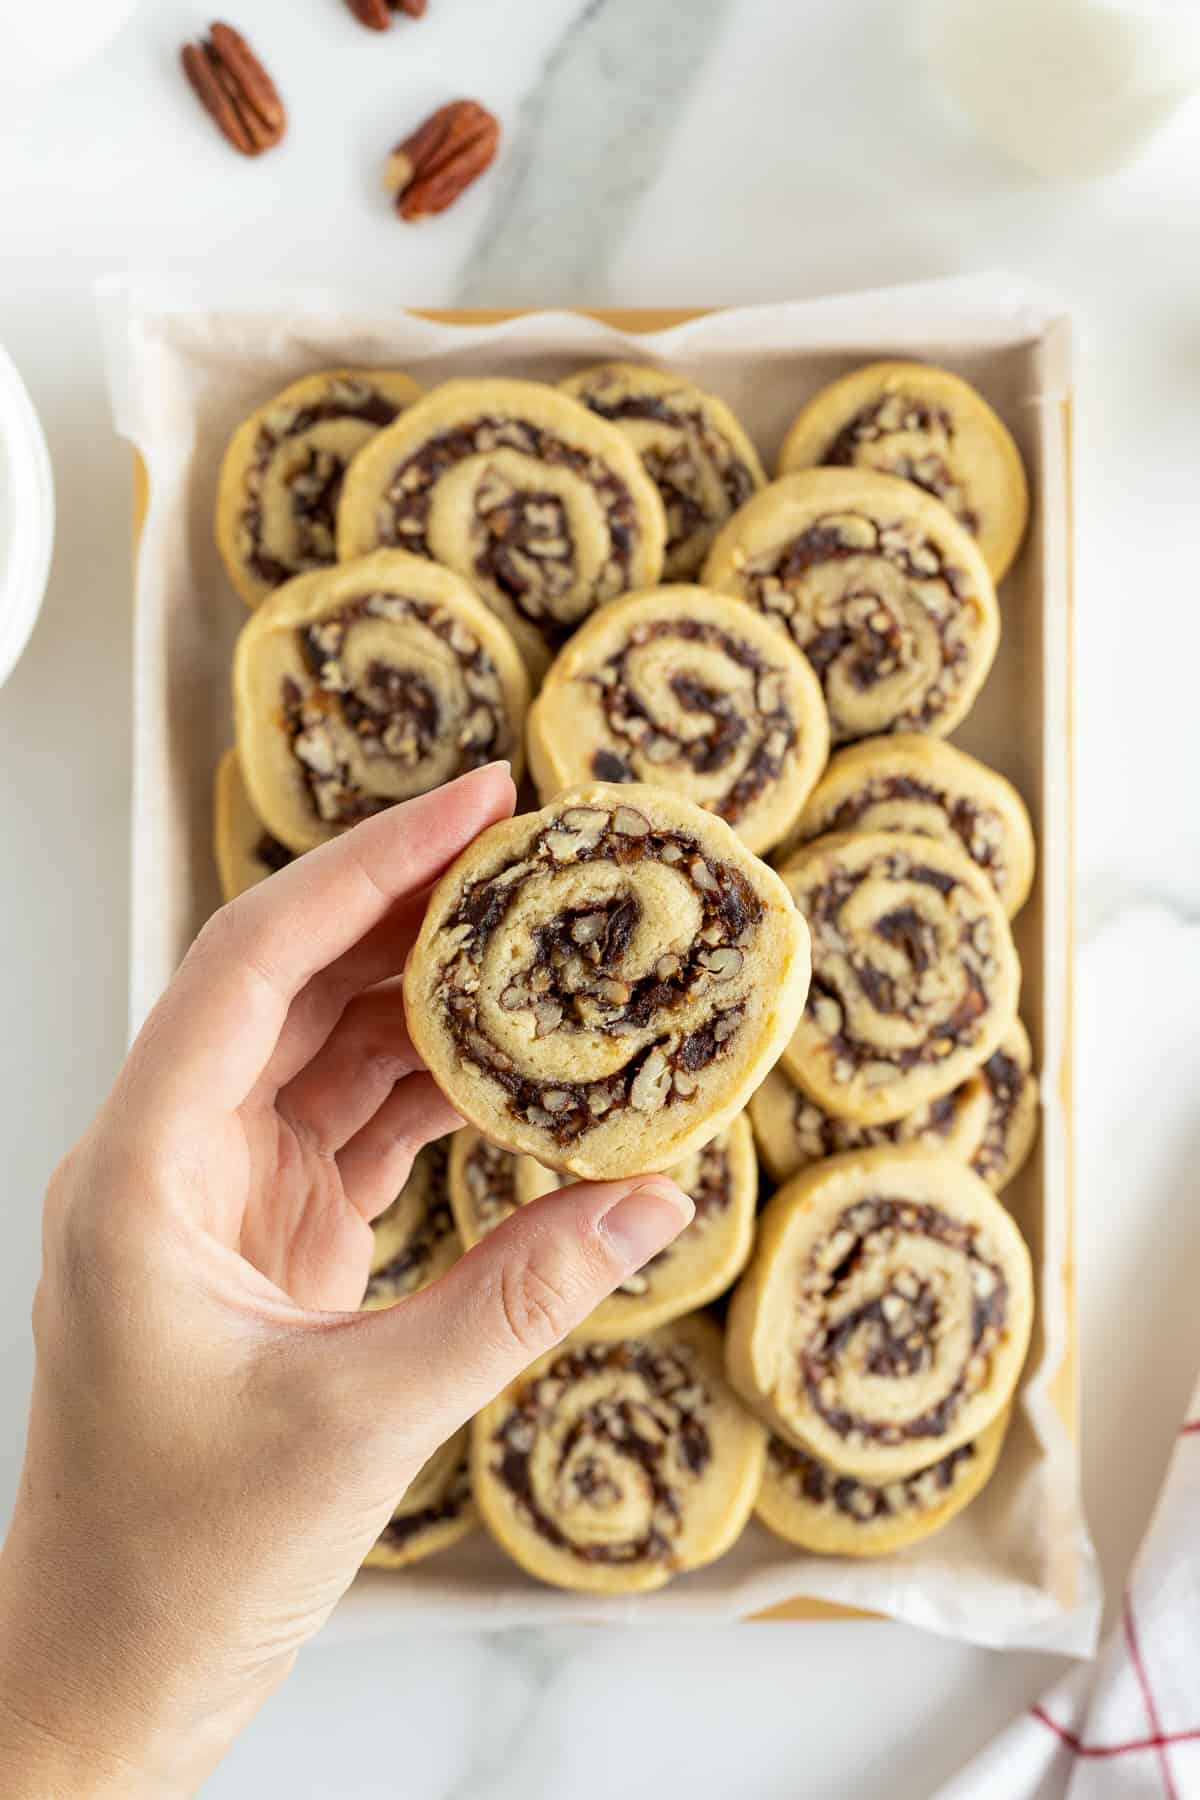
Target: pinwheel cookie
{"points": [[602, 984], [808, 1503], [245, 850], [360, 686], [437, 1510], [282, 474], [879, 585], [542, 506], [989, 1121], [693, 449], [612, 1467], [691, 691], [415, 1239], [913, 783], [886, 1312], [929, 427], [915, 979]]}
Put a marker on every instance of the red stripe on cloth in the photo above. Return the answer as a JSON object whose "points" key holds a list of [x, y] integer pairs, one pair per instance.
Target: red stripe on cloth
{"points": [[1135, 1654], [1193, 1425], [1082, 1749]]}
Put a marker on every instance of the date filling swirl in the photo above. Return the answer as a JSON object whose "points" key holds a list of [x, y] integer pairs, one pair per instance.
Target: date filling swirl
{"points": [[550, 527], [910, 437], [915, 978], [695, 467], [402, 697], [300, 457], [605, 970], [862, 1502], [879, 612], [598, 1453], [897, 1314], [415, 1239], [718, 713]]}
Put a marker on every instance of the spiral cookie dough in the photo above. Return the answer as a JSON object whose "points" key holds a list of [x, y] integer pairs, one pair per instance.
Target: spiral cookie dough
{"points": [[808, 1503], [885, 1314], [691, 691], [437, 1510], [245, 850], [602, 984], [283, 470], [929, 427], [722, 1181], [543, 507], [360, 686], [881, 588], [989, 1121], [695, 452], [915, 978], [613, 1467], [483, 1185], [415, 1239], [914, 783]]}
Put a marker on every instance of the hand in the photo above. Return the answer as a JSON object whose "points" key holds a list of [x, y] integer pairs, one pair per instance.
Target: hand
{"points": [[217, 1435]]}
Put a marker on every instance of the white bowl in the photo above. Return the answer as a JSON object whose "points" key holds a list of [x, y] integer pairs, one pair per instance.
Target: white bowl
{"points": [[26, 516]]}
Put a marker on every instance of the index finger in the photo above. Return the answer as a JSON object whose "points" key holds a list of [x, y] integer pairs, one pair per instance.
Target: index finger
{"points": [[213, 1031]]}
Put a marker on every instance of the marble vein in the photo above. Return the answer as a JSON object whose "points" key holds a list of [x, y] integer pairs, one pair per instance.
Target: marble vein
{"points": [[588, 142]]}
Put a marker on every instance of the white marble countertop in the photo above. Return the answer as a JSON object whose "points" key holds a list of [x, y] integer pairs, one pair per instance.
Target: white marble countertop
{"points": [[658, 151]]}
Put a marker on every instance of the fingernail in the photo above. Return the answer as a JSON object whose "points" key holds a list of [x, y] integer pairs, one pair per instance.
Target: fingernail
{"points": [[643, 1222]]}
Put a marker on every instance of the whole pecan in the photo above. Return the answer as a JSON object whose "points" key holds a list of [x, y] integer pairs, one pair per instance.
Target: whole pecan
{"points": [[439, 161], [236, 90]]}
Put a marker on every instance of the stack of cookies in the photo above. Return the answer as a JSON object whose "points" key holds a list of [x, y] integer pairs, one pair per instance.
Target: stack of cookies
{"points": [[754, 927]]}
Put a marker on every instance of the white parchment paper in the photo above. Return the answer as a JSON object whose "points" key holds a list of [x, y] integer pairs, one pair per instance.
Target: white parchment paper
{"points": [[186, 366]]}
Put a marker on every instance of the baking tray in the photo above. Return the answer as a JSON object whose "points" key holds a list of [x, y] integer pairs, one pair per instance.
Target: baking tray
{"points": [[1022, 724]]}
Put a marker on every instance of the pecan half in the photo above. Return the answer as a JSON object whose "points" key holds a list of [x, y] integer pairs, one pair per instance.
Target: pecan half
{"points": [[236, 90], [440, 160]]}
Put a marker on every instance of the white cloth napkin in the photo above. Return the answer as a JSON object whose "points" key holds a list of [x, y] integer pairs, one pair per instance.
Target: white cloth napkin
{"points": [[1128, 1725]]}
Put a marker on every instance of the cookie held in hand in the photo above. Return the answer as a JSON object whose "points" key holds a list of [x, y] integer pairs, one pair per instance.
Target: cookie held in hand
{"points": [[612, 1467], [602, 984], [886, 1312]]}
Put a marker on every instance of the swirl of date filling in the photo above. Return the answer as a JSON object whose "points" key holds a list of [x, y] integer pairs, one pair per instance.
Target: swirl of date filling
{"points": [[246, 852], [886, 1312], [436, 1511], [542, 506], [688, 690], [487, 1185], [282, 474], [914, 783], [879, 585], [929, 427], [988, 1122], [414, 1240], [915, 977], [601, 985], [612, 1467], [361, 686], [693, 449], [813, 1506]]}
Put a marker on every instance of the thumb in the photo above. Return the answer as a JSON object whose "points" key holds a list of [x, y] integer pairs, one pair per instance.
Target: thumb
{"points": [[447, 1351]]}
